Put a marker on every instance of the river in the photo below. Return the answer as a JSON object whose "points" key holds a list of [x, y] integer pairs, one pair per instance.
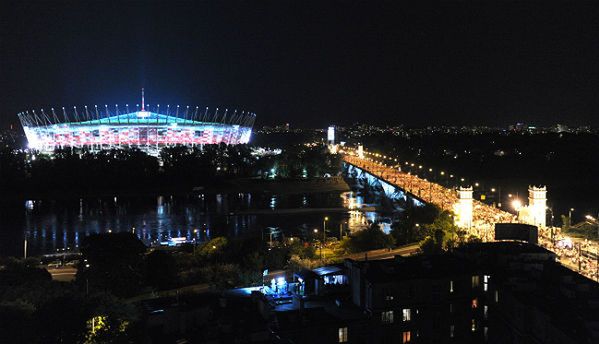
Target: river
{"points": [[51, 226]]}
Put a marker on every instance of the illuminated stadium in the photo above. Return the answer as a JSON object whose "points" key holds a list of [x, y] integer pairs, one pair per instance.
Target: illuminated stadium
{"points": [[147, 128]]}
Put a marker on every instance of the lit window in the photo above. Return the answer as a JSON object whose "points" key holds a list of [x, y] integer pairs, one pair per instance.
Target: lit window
{"points": [[407, 337], [486, 333], [475, 281], [387, 317], [473, 325], [486, 282], [451, 331], [474, 303], [407, 314], [343, 335], [496, 295], [389, 298], [451, 308], [486, 311], [451, 286]]}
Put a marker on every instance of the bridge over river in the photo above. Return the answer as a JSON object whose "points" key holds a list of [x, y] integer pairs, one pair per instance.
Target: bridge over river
{"points": [[397, 184]]}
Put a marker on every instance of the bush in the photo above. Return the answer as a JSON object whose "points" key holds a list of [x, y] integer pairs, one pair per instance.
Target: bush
{"points": [[371, 238]]}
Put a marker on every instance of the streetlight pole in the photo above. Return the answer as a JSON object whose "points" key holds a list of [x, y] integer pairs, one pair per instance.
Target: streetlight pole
{"points": [[324, 234], [25, 247], [315, 236], [570, 217], [551, 227]]}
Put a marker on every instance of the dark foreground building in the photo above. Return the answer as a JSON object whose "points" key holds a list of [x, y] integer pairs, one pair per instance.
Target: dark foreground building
{"points": [[500, 292]]}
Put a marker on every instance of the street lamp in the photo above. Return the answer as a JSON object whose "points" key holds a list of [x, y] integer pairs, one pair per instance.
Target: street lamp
{"points": [[86, 279], [517, 204], [324, 234], [596, 220], [570, 216], [552, 241]]}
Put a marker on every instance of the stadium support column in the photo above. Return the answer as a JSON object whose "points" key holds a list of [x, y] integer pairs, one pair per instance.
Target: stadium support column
{"points": [[463, 208], [537, 205]]}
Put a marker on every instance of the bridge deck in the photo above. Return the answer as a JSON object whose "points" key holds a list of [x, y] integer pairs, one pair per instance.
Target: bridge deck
{"points": [[484, 215]]}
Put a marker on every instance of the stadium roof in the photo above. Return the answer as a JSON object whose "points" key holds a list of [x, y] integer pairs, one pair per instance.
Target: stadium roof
{"points": [[138, 117]]}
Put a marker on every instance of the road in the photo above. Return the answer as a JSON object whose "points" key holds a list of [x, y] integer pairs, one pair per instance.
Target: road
{"points": [[384, 253], [62, 274]]}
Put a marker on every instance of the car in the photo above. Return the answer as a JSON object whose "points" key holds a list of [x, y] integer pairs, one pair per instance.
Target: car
{"points": [[55, 264]]}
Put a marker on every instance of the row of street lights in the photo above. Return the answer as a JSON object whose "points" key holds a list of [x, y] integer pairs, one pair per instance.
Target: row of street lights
{"points": [[516, 203]]}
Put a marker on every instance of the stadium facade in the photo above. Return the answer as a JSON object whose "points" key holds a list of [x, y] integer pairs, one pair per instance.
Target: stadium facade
{"points": [[147, 128]]}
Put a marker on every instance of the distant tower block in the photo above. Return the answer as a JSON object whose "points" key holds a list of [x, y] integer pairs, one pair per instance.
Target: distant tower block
{"points": [[463, 208], [331, 140], [361, 151], [331, 135], [537, 204]]}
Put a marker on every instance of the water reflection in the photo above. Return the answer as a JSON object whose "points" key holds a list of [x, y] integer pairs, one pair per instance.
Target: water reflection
{"points": [[52, 226]]}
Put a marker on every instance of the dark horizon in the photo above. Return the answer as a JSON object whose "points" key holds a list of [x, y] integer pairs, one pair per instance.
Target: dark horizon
{"points": [[309, 65]]}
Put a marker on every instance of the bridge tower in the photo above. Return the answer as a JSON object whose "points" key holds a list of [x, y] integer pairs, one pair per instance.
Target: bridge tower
{"points": [[361, 151], [537, 205], [463, 208]]}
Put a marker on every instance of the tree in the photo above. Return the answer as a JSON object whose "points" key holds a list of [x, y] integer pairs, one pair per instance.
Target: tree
{"points": [[112, 262], [212, 250], [442, 233], [444, 229], [16, 318], [409, 228], [161, 270], [370, 238], [62, 320], [18, 272]]}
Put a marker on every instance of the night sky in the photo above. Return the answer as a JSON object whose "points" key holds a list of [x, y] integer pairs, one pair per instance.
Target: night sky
{"points": [[309, 64]]}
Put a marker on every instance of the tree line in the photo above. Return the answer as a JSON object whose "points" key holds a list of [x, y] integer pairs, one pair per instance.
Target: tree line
{"points": [[82, 171]]}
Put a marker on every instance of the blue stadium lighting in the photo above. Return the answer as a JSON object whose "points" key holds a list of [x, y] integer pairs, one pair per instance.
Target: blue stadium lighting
{"points": [[146, 128]]}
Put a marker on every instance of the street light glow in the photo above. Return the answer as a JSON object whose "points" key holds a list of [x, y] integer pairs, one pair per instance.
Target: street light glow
{"points": [[517, 204]]}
